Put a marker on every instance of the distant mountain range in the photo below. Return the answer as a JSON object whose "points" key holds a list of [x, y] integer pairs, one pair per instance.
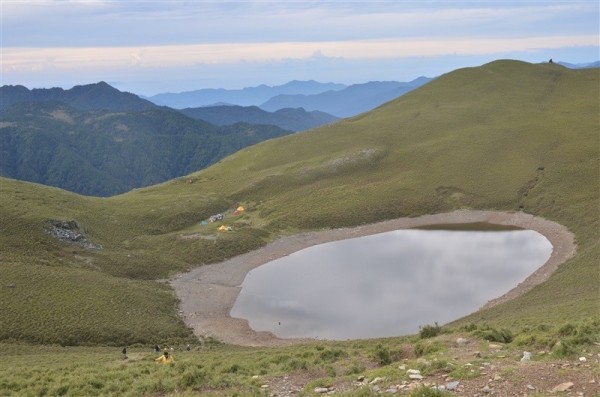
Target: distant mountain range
{"points": [[288, 118], [103, 152], [336, 99], [590, 65], [243, 97], [350, 101]]}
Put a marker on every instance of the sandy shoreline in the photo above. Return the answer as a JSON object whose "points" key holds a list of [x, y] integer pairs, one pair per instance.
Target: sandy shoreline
{"points": [[208, 293]]}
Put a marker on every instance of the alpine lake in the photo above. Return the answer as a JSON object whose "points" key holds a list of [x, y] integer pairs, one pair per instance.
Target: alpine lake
{"points": [[388, 284]]}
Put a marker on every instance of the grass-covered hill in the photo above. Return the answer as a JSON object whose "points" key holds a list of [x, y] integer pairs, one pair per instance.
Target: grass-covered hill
{"points": [[106, 152], [505, 136]]}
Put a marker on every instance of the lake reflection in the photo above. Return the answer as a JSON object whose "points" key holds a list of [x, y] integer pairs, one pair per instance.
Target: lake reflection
{"points": [[386, 284]]}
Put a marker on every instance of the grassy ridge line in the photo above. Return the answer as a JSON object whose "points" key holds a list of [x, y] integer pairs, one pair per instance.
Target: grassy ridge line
{"points": [[505, 136]]}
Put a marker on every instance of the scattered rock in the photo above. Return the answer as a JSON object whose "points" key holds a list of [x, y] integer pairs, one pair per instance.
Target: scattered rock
{"points": [[452, 385], [376, 380], [526, 356], [415, 376], [530, 387], [462, 341], [323, 390], [562, 387], [495, 346], [392, 390], [402, 367], [413, 371], [486, 389], [71, 232], [582, 359], [360, 378]]}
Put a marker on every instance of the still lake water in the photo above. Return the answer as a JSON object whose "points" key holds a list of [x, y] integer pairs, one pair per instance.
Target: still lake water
{"points": [[386, 284]]}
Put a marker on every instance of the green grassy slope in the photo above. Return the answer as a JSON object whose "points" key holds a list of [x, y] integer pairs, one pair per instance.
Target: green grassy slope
{"points": [[504, 136]]}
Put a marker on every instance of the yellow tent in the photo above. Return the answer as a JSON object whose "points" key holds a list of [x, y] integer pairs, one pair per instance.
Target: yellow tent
{"points": [[222, 228], [240, 209]]}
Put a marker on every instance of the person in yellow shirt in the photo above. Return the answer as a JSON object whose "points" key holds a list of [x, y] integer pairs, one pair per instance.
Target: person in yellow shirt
{"points": [[166, 358]]}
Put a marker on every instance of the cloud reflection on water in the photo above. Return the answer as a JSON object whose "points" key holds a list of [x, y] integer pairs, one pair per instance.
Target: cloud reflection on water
{"points": [[387, 284]]}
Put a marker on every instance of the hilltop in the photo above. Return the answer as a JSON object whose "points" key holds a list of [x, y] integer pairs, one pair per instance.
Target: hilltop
{"points": [[506, 136]]}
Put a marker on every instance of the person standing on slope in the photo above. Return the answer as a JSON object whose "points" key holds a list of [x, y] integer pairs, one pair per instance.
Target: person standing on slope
{"points": [[166, 358]]}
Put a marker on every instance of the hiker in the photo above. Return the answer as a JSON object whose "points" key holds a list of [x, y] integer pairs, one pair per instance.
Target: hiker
{"points": [[166, 358], [124, 351], [157, 348]]}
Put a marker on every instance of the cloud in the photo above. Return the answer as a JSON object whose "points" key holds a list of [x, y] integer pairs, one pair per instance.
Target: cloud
{"points": [[181, 55], [44, 42], [149, 23]]}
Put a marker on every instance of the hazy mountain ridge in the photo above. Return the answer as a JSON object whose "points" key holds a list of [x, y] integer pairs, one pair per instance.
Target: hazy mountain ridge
{"points": [[243, 97], [350, 101], [288, 118], [589, 65]]}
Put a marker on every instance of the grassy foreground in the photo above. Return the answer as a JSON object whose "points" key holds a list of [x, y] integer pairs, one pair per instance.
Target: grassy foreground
{"points": [[353, 368], [505, 136]]}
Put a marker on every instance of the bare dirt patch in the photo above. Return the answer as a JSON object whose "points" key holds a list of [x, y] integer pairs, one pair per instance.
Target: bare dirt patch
{"points": [[208, 293]]}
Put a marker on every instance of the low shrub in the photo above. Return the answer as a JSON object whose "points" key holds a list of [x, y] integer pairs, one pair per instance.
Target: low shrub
{"points": [[382, 354], [494, 335], [424, 347], [429, 331]]}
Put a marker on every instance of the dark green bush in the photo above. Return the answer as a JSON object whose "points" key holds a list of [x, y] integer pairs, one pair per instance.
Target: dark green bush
{"points": [[382, 354], [429, 331], [494, 335]]}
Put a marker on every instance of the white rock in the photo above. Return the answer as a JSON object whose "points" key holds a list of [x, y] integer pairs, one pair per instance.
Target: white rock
{"points": [[452, 385], [562, 387], [582, 359], [413, 371], [526, 356], [415, 376]]}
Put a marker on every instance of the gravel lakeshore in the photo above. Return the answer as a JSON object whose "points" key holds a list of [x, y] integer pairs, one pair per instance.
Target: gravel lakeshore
{"points": [[208, 293]]}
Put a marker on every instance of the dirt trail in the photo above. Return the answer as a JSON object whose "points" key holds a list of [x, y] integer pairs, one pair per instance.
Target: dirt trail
{"points": [[208, 293]]}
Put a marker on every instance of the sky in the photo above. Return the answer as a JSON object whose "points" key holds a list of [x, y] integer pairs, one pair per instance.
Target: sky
{"points": [[150, 47]]}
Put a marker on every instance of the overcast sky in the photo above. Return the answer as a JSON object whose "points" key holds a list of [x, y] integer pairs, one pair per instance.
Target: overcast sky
{"points": [[148, 47]]}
